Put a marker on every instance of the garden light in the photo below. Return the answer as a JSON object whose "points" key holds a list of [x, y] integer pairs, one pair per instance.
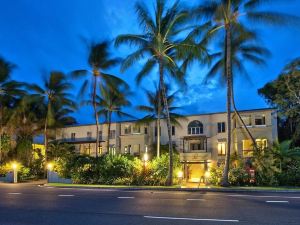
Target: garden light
{"points": [[180, 174], [146, 157]]}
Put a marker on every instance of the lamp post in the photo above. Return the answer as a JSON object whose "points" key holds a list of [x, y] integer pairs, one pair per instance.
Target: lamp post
{"points": [[180, 176], [145, 160], [49, 169], [15, 172]]}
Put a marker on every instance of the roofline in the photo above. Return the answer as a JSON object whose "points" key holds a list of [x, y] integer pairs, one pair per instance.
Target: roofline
{"points": [[197, 114]]}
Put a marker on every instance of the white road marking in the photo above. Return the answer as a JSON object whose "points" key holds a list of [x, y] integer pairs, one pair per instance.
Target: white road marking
{"points": [[277, 201], [66, 195], [195, 199], [190, 219], [265, 196], [126, 197], [14, 193]]}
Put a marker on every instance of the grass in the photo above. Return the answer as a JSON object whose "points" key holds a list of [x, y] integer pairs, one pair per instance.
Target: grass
{"points": [[233, 188]]}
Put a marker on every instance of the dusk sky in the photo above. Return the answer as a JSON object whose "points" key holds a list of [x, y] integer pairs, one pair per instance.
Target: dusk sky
{"points": [[48, 35]]}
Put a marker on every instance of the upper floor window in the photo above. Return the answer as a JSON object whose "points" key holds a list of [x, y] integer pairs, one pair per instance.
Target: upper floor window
{"points": [[173, 130], [127, 129], [73, 136], [262, 143], [89, 135], [145, 130], [100, 135], [260, 120], [195, 127], [136, 129], [221, 127], [112, 134], [247, 120]]}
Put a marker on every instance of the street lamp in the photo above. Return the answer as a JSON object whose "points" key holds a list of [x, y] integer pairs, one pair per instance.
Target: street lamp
{"points": [[145, 160], [14, 166]]}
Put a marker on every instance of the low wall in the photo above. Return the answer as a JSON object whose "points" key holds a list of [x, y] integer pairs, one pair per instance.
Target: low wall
{"points": [[53, 177], [9, 178]]}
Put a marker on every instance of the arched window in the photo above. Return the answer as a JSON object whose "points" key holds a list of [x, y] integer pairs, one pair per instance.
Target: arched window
{"points": [[195, 127]]}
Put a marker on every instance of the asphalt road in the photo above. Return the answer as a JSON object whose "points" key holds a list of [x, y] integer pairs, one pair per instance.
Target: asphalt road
{"points": [[22, 204]]}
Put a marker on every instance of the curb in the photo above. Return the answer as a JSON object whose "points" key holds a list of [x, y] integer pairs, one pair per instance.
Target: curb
{"points": [[179, 189]]}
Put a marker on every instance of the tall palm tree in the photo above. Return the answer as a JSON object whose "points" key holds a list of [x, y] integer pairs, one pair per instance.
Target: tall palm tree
{"points": [[100, 60], [111, 102], [10, 92], [152, 111], [161, 46], [245, 47], [227, 15], [54, 96]]}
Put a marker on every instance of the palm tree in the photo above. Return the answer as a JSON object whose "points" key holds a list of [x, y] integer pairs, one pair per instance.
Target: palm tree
{"points": [[152, 111], [161, 46], [244, 47], [54, 96], [111, 102], [10, 91], [229, 15], [99, 60]]}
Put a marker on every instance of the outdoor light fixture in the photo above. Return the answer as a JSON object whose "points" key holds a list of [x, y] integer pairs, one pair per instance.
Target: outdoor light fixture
{"points": [[180, 174], [14, 166], [207, 174], [50, 166], [146, 157]]}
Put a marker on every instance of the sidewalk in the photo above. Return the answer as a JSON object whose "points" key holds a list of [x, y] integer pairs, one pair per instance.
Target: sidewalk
{"points": [[182, 188]]}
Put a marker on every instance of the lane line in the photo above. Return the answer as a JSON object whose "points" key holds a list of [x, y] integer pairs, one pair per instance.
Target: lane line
{"points": [[126, 197], [189, 219], [196, 199], [66, 195], [266, 196], [14, 193], [277, 201]]}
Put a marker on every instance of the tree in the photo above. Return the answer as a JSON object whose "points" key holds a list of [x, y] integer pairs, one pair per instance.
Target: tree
{"points": [[161, 45], [229, 15], [54, 96], [283, 93], [111, 102], [152, 111], [10, 91], [100, 60]]}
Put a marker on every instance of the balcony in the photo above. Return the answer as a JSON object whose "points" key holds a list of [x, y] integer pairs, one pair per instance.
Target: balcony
{"points": [[196, 156]]}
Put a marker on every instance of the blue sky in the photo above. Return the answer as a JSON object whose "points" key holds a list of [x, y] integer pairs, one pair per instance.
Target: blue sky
{"points": [[46, 35]]}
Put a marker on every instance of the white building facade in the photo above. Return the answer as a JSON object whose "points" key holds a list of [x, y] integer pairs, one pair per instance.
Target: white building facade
{"points": [[200, 139]]}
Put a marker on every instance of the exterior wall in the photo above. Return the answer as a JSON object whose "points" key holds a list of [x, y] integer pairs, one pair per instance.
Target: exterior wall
{"points": [[136, 142]]}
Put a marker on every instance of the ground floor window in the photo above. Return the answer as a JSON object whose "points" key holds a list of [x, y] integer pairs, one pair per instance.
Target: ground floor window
{"points": [[100, 150], [221, 148], [112, 150], [127, 149], [247, 148]]}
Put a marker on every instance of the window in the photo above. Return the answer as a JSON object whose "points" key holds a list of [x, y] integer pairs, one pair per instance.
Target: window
{"points": [[195, 127], [87, 150], [247, 148], [127, 149], [89, 135], [221, 148], [221, 127], [145, 130], [155, 131], [260, 120], [247, 120], [127, 129], [100, 135], [262, 143], [73, 136], [112, 150], [136, 149], [136, 129], [100, 150], [112, 134], [173, 130]]}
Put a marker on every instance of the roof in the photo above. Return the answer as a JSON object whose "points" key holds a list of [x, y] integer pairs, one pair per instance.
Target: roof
{"points": [[197, 114]]}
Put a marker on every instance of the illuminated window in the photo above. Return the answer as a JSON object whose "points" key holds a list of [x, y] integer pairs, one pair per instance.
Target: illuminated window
{"points": [[127, 149], [260, 120], [262, 143], [247, 120], [221, 148], [195, 127], [221, 127], [247, 148], [100, 150], [112, 150]]}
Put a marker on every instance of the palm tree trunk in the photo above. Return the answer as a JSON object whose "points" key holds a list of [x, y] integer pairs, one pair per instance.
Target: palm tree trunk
{"points": [[166, 107], [225, 181], [95, 113], [108, 130], [46, 137], [1, 115], [158, 121]]}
